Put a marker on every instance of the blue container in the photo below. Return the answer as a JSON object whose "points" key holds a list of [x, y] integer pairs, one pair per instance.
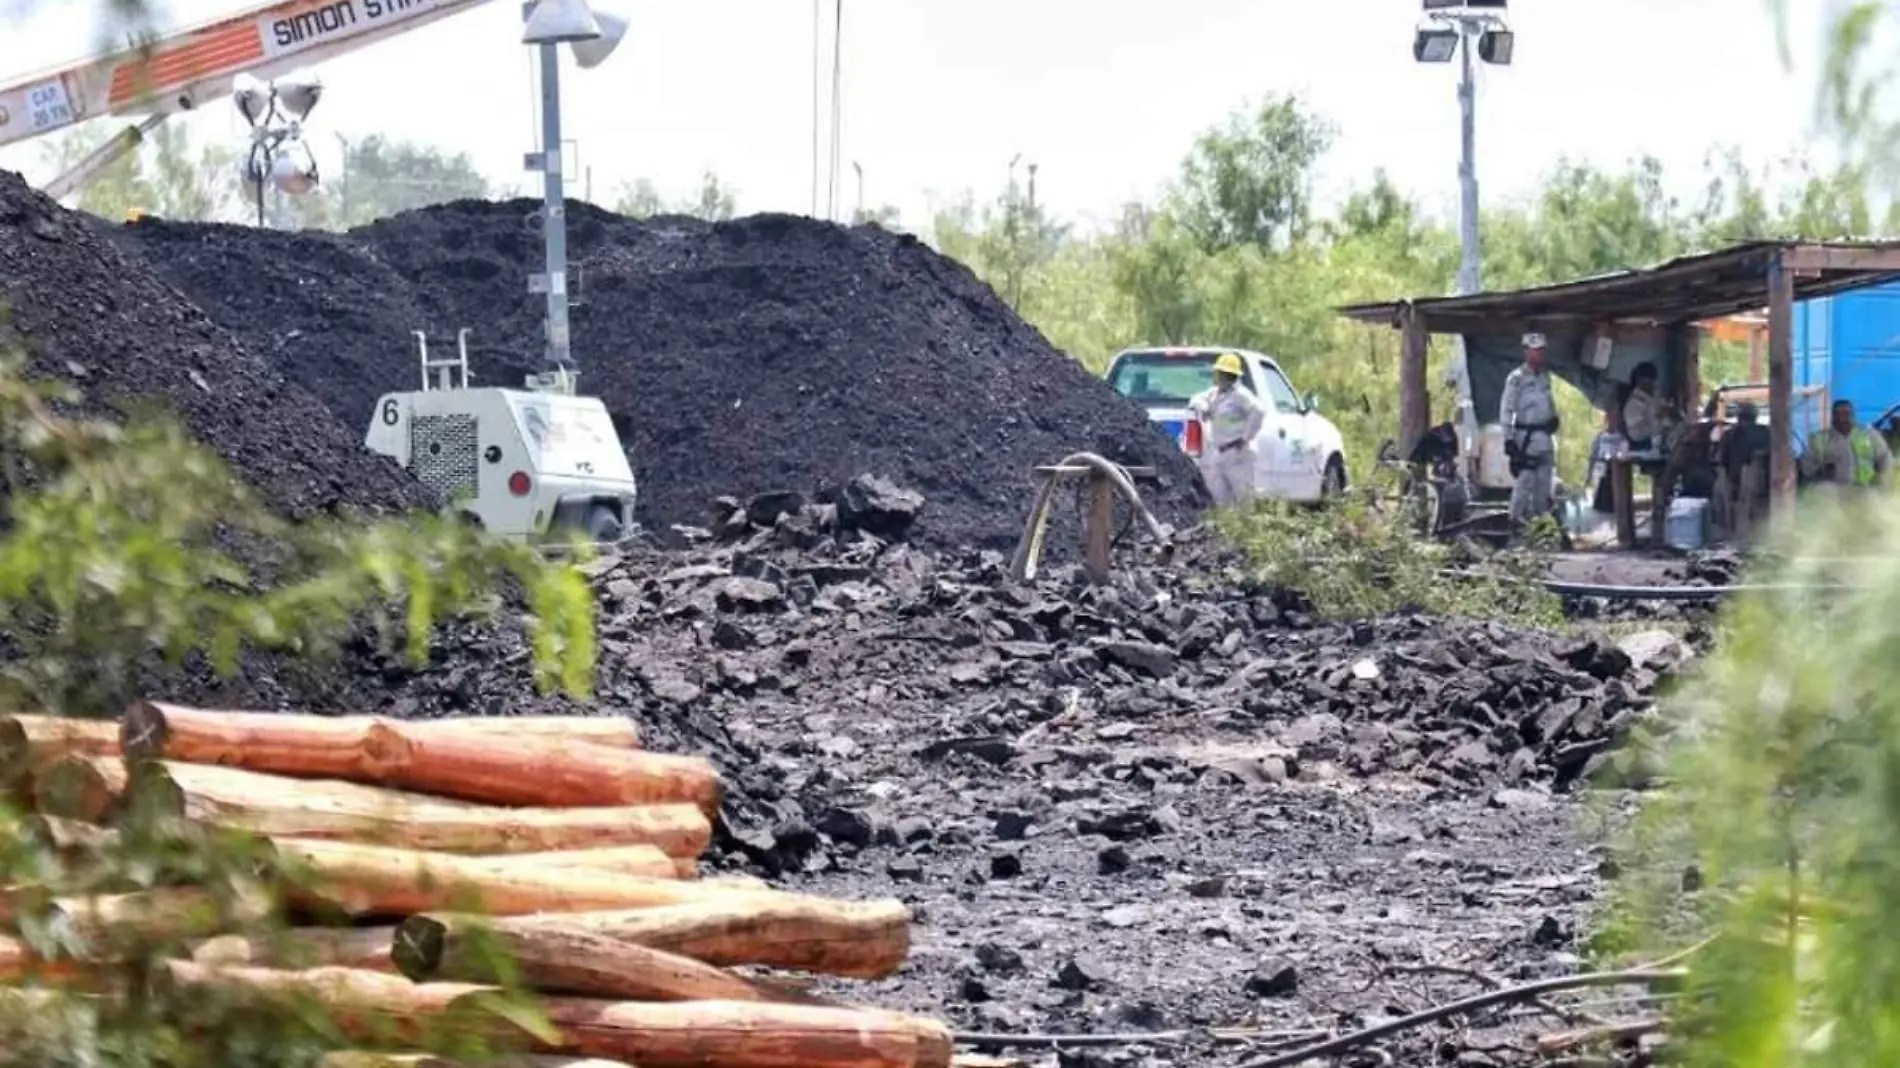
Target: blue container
{"points": [[1849, 345]]}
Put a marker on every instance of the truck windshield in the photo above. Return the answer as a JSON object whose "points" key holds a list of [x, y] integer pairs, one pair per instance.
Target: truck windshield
{"points": [[1163, 378]]}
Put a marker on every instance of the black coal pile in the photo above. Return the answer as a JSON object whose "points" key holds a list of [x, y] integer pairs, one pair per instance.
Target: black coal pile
{"points": [[101, 320], [743, 356]]}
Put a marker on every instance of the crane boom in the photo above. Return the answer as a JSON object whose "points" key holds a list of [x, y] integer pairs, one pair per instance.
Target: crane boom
{"points": [[189, 67]]}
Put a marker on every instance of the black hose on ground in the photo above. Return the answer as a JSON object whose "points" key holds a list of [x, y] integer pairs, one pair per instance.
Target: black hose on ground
{"points": [[1656, 593]]}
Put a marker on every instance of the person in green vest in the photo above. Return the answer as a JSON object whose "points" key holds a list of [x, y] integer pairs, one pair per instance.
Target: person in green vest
{"points": [[1846, 454]]}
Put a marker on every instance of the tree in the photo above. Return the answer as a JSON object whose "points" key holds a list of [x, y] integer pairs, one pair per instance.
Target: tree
{"points": [[1854, 83], [168, 175], [641, 200], [381, 177], [1586, 222], [713, 201], [884, 215], [1247, 182]]}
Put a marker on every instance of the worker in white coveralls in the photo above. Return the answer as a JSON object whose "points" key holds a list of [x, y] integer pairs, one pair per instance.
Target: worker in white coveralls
{"points": [[1528, 415], [1231, 418]]}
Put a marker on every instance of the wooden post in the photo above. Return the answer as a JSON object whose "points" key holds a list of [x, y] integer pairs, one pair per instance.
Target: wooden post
{"points": [[1101, 530], [1688, 383], [1623, 498], [1415, 410], [1781, 473]]}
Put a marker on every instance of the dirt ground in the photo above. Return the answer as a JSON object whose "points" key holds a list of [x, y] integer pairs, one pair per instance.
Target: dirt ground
{"points": [[1256, 912]]}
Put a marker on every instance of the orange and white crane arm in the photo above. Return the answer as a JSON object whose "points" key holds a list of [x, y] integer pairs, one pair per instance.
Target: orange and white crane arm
{"points": [[190, 67]]}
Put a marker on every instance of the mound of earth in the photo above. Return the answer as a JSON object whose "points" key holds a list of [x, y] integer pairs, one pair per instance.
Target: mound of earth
{"points": [[101, 320], [739, 357]]}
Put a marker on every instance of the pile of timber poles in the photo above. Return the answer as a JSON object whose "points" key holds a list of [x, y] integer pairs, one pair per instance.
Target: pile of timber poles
{"points": [[555, 837]]}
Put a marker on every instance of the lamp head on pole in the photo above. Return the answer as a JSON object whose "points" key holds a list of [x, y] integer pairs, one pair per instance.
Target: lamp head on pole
{"points": [[299, 92], [1495, 46], [591, 54], [251, 97], [560, 22], [1435, 46]]}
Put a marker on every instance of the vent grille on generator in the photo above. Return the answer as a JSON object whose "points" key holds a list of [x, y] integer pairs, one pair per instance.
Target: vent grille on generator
{"points": [[443, 452]]}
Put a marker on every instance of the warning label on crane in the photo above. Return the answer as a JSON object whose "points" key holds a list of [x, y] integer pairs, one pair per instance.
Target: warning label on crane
{"points": [[292, 29]]}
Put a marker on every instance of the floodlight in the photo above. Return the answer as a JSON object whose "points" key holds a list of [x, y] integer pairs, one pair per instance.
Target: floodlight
{"points": [[253, 100], [560, 22], [1494, 46], [1435, 46], [591, 54], [298, 93], [292, 175]]}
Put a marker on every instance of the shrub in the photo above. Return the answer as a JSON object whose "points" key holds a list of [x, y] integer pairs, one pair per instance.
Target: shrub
{"points": [[122, 543]]}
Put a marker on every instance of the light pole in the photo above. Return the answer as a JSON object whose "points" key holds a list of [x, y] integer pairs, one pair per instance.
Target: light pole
{"points": [[1450, 28], [1453, 28], [278, 156], [593, 37]]}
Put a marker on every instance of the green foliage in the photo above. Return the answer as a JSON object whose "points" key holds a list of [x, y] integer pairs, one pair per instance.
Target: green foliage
{"points": [[1249, 182], [169, 175], [1784, 798], [122, 544], [380, 177], [1359, 558], [713, 200]]}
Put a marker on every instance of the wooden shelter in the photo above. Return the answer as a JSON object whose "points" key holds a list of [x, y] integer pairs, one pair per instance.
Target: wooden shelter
{"points": [[1670, 298]]}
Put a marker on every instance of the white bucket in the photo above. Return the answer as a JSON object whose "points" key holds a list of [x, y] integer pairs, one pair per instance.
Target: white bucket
{"points": [[1494, 467], [1688, 523]]}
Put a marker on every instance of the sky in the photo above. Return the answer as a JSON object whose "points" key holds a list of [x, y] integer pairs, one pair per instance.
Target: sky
{"points": [[1104, 96]]}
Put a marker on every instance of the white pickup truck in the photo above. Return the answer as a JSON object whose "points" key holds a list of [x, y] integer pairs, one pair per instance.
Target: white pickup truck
{"points": [[1302, 456]]}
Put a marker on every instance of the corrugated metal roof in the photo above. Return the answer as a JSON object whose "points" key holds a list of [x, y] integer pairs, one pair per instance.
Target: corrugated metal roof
{"points": [[1687, 289]]}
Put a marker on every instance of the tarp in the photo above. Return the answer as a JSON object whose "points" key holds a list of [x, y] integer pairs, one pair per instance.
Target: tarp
{"points": [[1490, 358]]}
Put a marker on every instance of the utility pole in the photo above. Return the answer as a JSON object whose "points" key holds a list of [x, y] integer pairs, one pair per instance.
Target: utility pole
{"points": [[1456, 28], [546, 25], [1469, 270]]}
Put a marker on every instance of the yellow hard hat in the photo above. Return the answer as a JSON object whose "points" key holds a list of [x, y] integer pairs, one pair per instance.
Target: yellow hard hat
{"points": [[1229, 363], [133, 215]]}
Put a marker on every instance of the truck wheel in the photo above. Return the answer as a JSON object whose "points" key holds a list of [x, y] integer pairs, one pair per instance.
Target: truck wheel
{"points": [[602, 524], [1333, 482]]}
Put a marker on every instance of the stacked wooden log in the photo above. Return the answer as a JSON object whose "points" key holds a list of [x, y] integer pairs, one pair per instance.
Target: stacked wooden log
{"points": [[556, 838]]}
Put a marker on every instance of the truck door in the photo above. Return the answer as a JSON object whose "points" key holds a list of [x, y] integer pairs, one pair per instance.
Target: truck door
{"points": [[1297, 472], [1269, 447]]}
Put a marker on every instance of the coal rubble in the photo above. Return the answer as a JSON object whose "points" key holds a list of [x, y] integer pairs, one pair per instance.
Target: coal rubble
{"points": [[1176, 801]]}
